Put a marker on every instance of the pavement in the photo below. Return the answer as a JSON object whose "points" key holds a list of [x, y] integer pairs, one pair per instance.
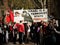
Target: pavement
{"points": [[11, 43]]}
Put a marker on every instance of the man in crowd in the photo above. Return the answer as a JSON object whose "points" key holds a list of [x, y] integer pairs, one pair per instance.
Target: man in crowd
{"points": [[21, 32]]}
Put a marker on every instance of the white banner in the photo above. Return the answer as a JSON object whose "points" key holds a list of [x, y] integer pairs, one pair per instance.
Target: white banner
{"points": [[37, 15]]}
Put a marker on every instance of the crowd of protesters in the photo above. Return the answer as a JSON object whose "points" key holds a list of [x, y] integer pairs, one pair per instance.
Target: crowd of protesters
{"points": [[40, 33]]}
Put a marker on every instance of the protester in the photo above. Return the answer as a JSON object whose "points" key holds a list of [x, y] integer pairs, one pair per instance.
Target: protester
{"points": [[26, 30], [7, 29], [14, 33], [50, 34], [21, 32], [10, 32], [1, 36], [34, 32], [28, 34]]}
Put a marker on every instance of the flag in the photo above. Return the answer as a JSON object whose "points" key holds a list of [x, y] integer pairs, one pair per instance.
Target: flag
{"points": [[7, 19], [11, 16]]}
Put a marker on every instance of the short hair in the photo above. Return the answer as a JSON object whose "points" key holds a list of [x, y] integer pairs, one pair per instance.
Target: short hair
{"points": [[17, 13], [20, 21], [24, 12]]}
